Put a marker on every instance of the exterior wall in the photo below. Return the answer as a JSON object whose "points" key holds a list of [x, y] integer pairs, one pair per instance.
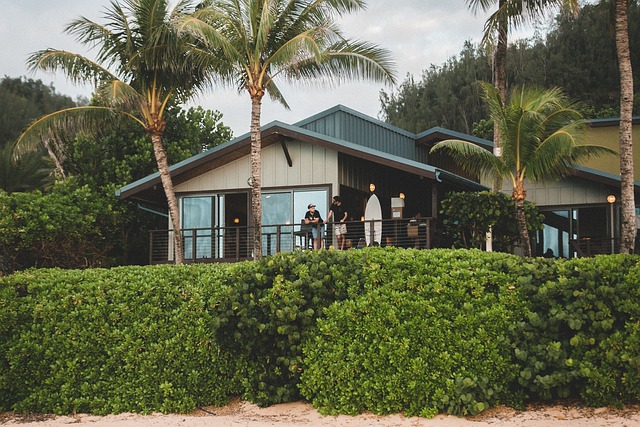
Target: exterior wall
{"points": [[311, 165], [608, 137], [570, 191]]}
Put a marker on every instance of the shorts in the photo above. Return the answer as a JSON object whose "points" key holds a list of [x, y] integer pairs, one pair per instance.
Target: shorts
{"points": [[314, 231], [340, 229]]}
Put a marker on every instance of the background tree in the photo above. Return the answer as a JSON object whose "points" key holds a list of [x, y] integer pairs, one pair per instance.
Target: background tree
{"points": [[152, 66], [23, 100], [542, 142], [289, 39], [577, 54]]}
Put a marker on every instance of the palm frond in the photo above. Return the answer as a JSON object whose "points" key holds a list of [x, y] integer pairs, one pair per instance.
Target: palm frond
{"points": [[63, 125], [77, 68], [472, 158]]}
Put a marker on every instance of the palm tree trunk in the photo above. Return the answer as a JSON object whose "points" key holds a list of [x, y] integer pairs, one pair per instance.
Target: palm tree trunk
{"points": [[256, 173], [519, 195], [628, 229], [500, 81], [172, 202]]}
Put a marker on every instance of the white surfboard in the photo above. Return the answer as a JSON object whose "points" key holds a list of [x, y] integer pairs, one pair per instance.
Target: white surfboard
{"points": [[373, 212]]}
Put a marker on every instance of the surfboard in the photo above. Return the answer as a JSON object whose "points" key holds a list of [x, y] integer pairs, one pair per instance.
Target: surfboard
{"points": [[373, 212]]}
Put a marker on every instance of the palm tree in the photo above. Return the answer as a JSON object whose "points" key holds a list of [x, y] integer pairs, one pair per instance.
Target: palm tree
{"points": [[151, 66], [542, 134], [30, 171], [510, 14], [291, 39], [628, 228]]}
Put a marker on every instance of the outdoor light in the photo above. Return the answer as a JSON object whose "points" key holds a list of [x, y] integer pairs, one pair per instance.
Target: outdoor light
{"points": [[401, 195], [236, 220], [372, 187], [612, 199]]}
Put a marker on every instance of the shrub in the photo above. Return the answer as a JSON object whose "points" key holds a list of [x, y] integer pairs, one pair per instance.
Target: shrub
{"points": [[380, 329], [271, 307], [435, 338], [578, 340], [467, 217], [109, 341]]}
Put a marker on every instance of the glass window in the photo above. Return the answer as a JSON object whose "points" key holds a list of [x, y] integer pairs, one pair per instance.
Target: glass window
{"points": [[197, 221], [302, 199], [276, 210]]}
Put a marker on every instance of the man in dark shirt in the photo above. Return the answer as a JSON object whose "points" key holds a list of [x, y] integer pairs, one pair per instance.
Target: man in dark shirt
{"points": [[339, 214]]}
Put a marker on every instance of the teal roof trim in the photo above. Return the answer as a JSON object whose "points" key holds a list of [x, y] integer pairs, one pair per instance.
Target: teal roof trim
{"points": [[190, 160], [455, 135], [606, 175], [299, 128]]}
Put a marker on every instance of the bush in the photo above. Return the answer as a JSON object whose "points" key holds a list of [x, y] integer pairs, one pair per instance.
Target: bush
{"points": [[271, 307], [380, 329], [579, 338], [110, 341], [434, 338], [65, 228], [467, 217]]}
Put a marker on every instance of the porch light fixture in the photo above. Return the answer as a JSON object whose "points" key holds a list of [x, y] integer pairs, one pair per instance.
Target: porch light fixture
{"points": [[250, 181], [401, 195], [372, 187], [236, 220], [611, 199]]}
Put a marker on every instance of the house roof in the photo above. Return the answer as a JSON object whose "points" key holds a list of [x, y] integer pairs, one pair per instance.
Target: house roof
{"points": [[307, 131], [605, 178], [610, 121], [349, 132]]}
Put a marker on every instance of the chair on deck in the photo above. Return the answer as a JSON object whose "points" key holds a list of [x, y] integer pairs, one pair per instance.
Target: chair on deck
{"points": [[305, 236]]}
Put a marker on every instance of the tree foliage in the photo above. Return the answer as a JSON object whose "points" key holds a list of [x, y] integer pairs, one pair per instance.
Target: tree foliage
{"points": [[577, 54], [24, 100]]}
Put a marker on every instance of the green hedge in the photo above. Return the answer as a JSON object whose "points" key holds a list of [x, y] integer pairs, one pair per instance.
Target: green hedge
{"points": [[109, 341], [580, 338], [380, 329], [434, 336]]}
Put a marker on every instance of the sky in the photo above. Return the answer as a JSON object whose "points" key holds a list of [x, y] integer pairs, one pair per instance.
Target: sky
{"points": [[418, 33]]}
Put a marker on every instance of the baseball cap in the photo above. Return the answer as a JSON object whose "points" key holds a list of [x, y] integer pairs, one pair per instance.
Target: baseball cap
{"points": [[311, 205]]}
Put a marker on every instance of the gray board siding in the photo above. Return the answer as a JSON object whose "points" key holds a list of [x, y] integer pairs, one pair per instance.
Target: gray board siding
{"points": [[351, 127]]}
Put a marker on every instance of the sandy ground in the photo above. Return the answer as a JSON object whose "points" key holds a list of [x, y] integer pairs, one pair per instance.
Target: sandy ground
{"points": [[300, 414]]}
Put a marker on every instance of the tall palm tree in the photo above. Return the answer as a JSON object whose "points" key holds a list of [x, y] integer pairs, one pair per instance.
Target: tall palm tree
{"points": [[142, 64], [290, 39], [627, 200], [542, 135], [510, 14]]}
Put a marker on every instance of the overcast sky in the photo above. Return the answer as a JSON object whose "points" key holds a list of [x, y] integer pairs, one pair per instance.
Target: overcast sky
{"points": [[418, 33]]}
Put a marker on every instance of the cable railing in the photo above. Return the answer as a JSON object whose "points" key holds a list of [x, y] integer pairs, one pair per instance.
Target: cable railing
{"points": [[235, 243]]}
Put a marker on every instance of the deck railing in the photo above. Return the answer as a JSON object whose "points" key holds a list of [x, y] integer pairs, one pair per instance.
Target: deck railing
{"points": [[588, 247], [235, 243]]}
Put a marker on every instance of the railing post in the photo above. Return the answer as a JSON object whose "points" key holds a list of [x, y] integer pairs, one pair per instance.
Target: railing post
{"points": [[151, 247]]}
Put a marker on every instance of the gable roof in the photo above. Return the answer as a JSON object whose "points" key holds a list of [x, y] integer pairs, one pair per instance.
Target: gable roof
{"points": [[349, 132], [333, 123]]}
